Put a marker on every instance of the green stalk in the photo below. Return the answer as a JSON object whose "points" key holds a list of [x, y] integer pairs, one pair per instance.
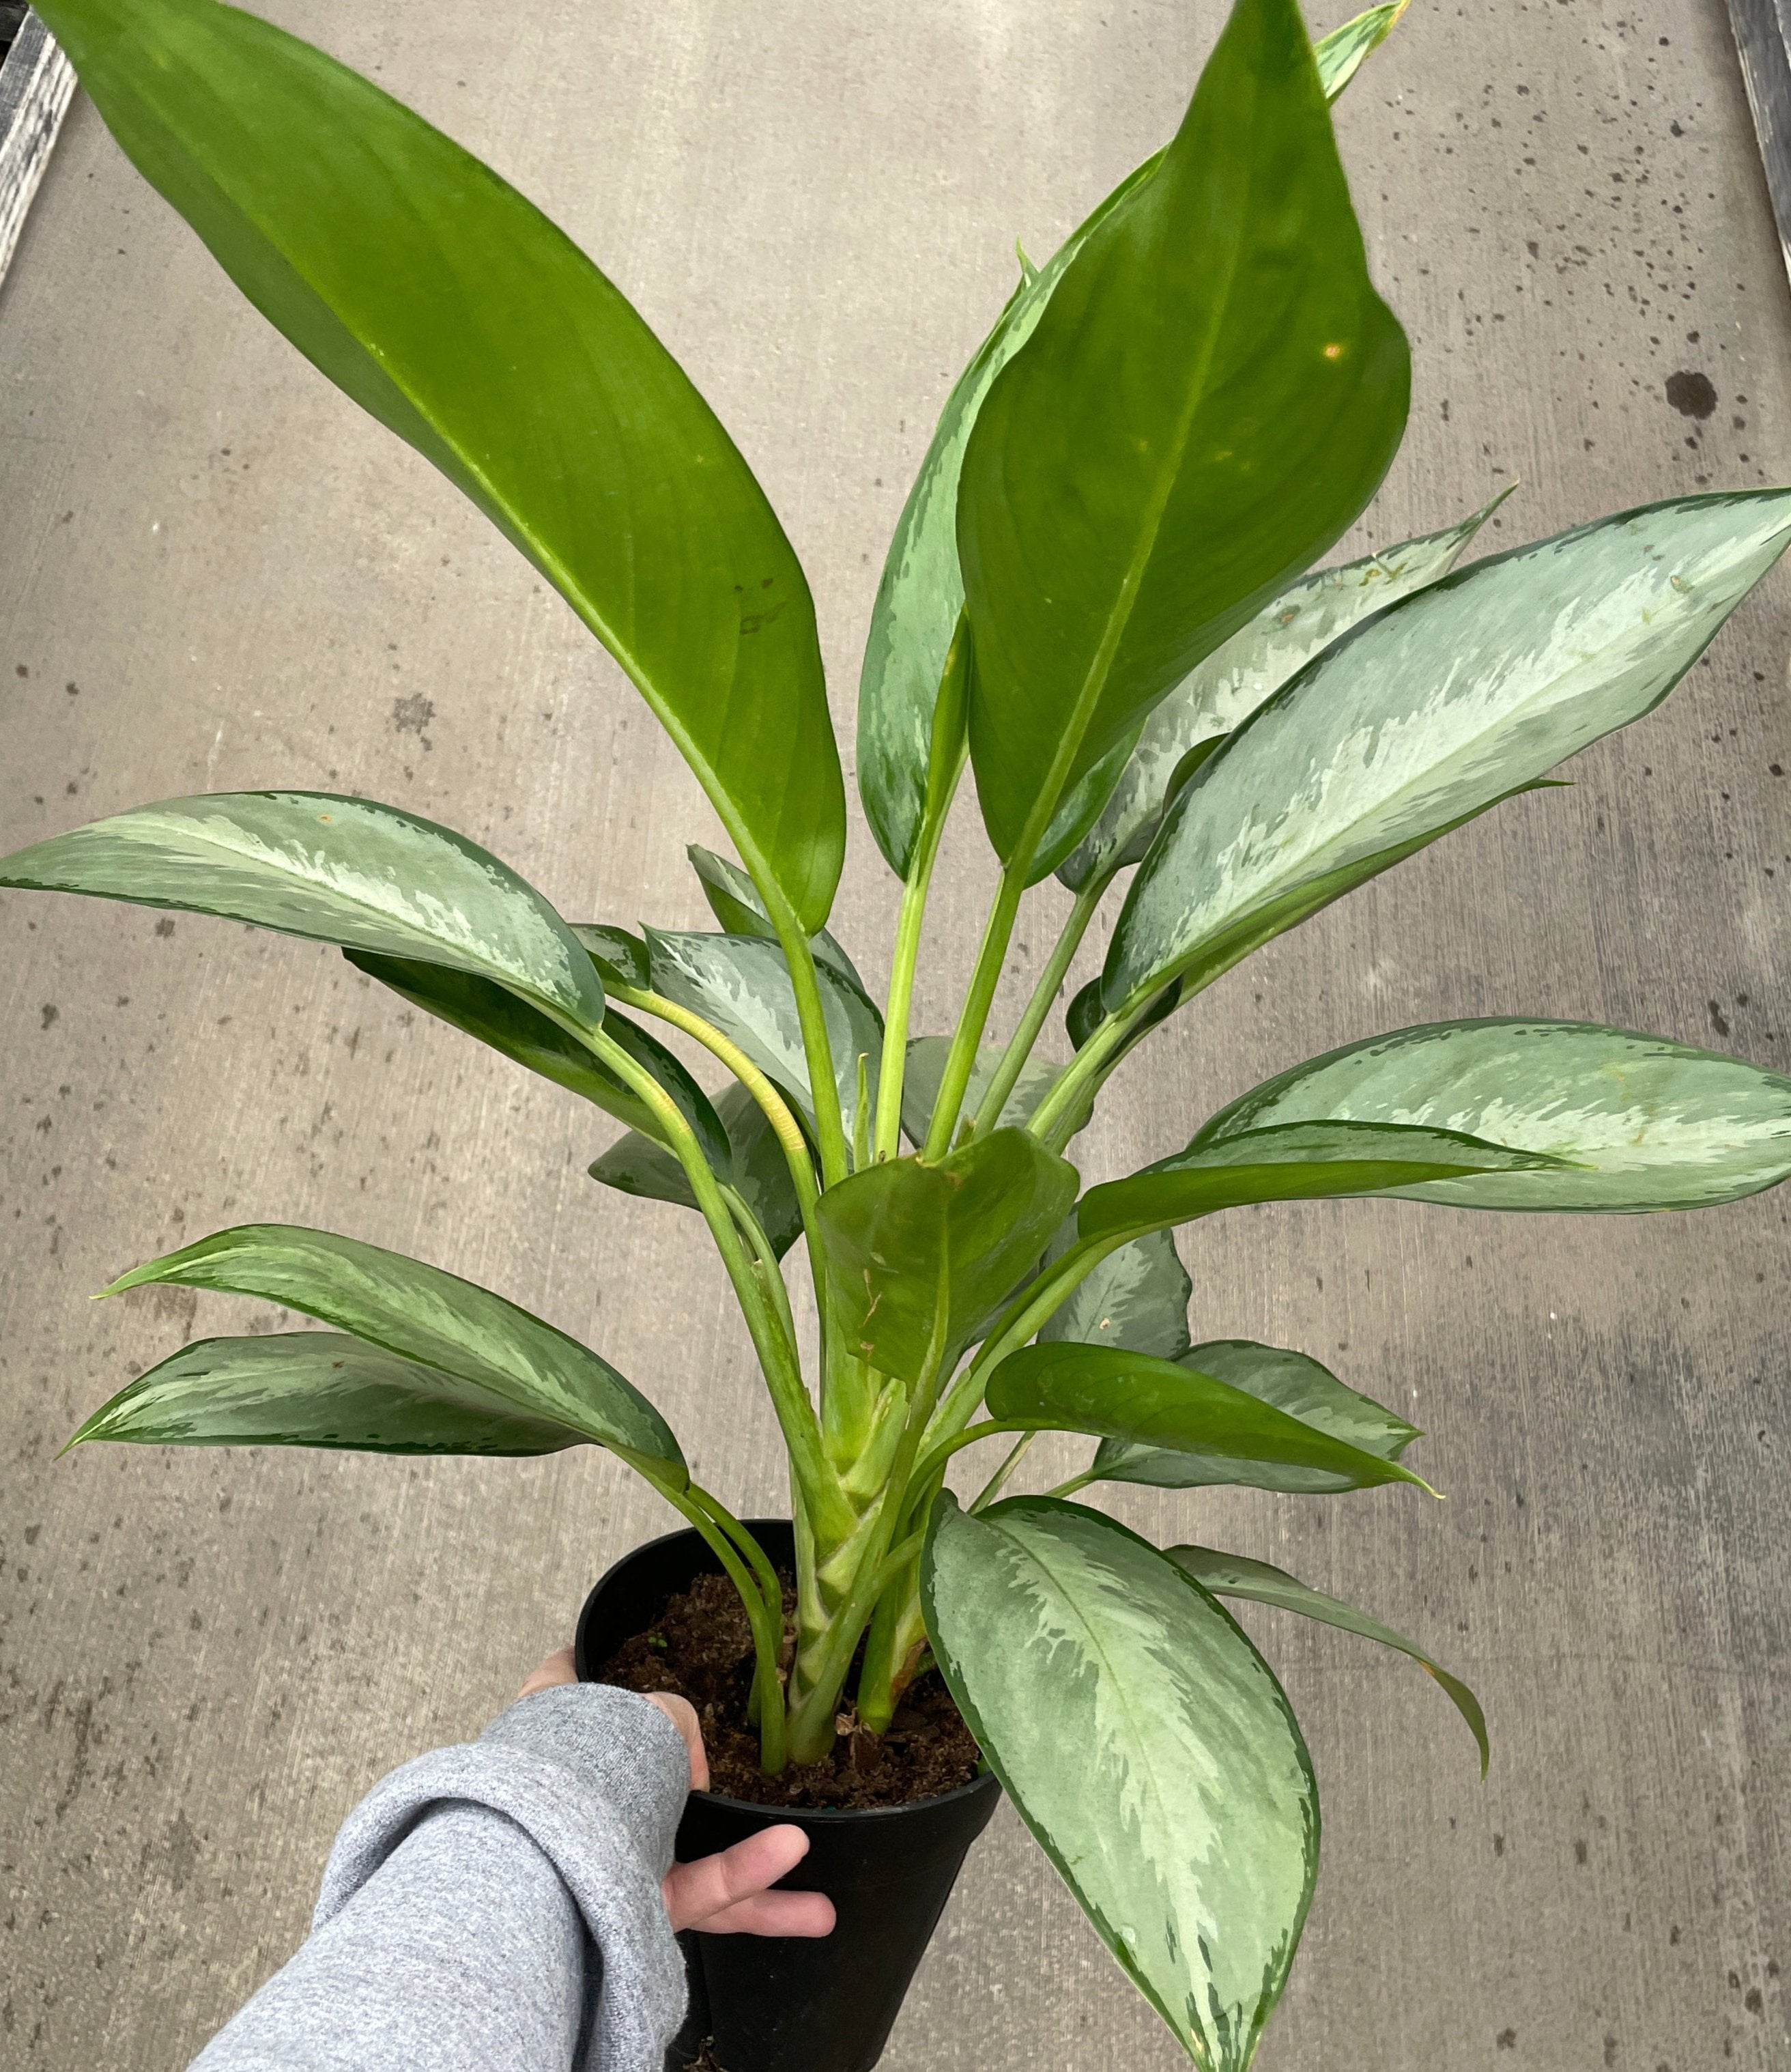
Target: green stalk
{"points": [[830, 1126], [1074, 1483], [770, 1272], [776, 1354], [998, 1481], [811, 1723], [770, 1583], [974, 1019], [772, 1105], [1045, 995], [946, 753], [1067, 1091], [1033, 1306]]}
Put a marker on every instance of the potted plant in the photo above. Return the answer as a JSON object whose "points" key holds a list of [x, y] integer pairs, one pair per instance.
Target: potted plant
{"points": [[1099, 599]]}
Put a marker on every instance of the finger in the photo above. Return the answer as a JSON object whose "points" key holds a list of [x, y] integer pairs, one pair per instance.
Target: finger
{"points": [[558, 1667], [805, 1914], [711, 1885], [682, 1716]]}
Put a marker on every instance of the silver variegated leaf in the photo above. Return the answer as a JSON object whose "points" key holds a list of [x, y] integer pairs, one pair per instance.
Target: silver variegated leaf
{"points": [[341, 870], [1232, 1576], [1136, 1297], [742, 985], [1222, 693], [459, 1332], [1147, 1746], [756, 1168], [1429, 713], [1636, 1122]]}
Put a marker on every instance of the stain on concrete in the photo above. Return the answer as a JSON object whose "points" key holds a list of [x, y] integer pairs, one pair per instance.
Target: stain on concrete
{"points": [[1691, 394]]}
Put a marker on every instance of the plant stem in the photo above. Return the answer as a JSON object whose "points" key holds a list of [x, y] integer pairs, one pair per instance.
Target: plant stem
{"points": [[772, 1105], [776, 1354], [830, 1128], [1074, 1483], [811, 1722], [1045, 994], [1067, 1089], [998, 1481], [973, 1020], [770, 1583], [947, 752]]}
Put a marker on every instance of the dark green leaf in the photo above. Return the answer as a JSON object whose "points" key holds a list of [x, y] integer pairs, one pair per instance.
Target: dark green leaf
{"points": [[1147, 1746], [921, 591], [1225, 690], [906, 1242], [1425, 715], [525, 1034], [1291, 1382], [464, 1336], [1212, 394], [1136, 1297], [1168, 1404], [755, 1167], [1232, 1576], [313, 1388], [334, 869], [449, 306], [1291, 1162], [1632, 1122]]}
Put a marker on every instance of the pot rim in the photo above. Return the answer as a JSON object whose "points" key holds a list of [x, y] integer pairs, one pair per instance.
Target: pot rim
{"points": [[984, 1780]]}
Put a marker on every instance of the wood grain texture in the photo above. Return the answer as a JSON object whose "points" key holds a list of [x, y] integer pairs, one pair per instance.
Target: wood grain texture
{"points": [[1763, 40], [37, 83], [212, 573]]}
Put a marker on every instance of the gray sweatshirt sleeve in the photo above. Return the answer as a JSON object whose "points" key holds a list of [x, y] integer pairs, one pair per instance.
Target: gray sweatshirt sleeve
{"points": [[493, 1908]]}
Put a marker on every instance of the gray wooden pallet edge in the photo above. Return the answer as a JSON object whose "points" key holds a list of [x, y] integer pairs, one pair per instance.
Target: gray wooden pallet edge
{"points": [[1763, 37], [37, 83]]}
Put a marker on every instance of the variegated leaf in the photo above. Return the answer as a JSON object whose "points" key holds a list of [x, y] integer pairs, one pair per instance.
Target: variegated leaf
{"points": [[1147, 1746], [1428, 714], [1632, 1122]]}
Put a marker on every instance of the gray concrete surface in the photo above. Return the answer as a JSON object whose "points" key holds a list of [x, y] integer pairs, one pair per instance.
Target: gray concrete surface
{"points": [[213, 573]]}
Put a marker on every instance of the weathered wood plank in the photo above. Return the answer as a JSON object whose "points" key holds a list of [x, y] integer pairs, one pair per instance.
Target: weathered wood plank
{"points": [[1763, 37], [37, 83]]}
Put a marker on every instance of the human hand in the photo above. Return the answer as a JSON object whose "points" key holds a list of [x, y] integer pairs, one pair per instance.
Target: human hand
{"points": [[724, 1894]]}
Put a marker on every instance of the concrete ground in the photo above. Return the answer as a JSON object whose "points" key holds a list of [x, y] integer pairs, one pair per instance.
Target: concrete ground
{"points": [[213, 574]]}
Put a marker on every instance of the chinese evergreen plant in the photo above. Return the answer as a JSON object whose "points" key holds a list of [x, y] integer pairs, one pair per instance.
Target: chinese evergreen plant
{"points": [[1098, 598]]}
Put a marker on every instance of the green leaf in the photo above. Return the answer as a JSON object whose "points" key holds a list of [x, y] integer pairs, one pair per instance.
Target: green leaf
{"points": [[925, 1067], [755, 1167], [921, 591], [1340, 55], [1147, 1746], [741, 984], [1291, 1162], [462, 1335], [1172, 1406], [1225, 690], [621, 959], [1136, 1297], [1430, 712], [907, 1243], [448, 307], [525, 1034], [313, 1388], [1232, 1576], [339, 870], [1634, 1122], [735, 903], [1291, 1382], [1212, 394]]}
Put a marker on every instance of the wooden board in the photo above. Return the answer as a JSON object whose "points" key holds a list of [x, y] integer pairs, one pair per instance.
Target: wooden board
{"points": [[37, 82]]}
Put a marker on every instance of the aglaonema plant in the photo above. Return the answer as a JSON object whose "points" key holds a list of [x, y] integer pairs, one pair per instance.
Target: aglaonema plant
{"points": [[1098, 599]]}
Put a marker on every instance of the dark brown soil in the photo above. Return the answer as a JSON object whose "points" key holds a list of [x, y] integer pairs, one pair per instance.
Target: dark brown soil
{"points": [[702, 1649]]}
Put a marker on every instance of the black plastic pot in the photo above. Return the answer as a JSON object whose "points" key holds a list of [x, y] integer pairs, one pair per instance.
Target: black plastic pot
{"points": [[789, 2005]]}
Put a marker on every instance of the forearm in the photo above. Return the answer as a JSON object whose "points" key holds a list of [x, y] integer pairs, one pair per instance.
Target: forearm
{"points": [[493, 1908]]}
